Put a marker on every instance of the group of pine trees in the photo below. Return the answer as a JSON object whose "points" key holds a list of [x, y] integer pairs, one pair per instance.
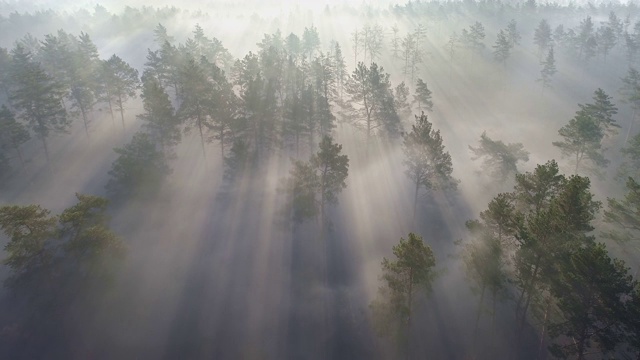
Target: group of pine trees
{"points": [[535, 244]]}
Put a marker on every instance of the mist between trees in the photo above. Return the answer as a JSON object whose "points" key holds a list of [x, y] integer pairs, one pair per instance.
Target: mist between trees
{"points": [[449, 180]]}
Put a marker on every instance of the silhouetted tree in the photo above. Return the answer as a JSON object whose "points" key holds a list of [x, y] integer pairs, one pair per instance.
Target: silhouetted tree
{"points": [[423, 96], [582, 139], [548, 70], [409, 273], [502, 48], [500, 160], [428, 165], [139, 169], [12, 134], [119, 84], [37, 97], [542, 37], [159, 117]]}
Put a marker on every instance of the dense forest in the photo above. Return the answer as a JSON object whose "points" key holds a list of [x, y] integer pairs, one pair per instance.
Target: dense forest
{"points": [[280, 180]]}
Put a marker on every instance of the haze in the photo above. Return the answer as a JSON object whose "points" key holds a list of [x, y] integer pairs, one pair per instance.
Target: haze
{"points": [[300, 179]]}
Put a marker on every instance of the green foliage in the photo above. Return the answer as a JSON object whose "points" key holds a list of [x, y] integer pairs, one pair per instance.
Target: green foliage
{"points": [[12, 135], [119, 84], [423, 96], [542, 223], [513, 34], [238, 162], [44, 250], [590, 288], [542, 36], [606, 39], [624, 215], [37, 97], [428, 165], [312, 186], [139, 169], [548, 69], [500, 159], [502, 48], [582, 139], [370, 89], [302, 185], [332, 167], [401, 100], [630, 167], [630, 90], [160, 120], [31, 247], [473, 38], [410, 272], [310, 40], [602, 110]]}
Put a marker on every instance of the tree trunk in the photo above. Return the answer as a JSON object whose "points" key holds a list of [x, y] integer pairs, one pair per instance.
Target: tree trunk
{"points": [[544, 325], [46, 148], [475, 328], [201, 136], [633, 119], [415, 202], [526, 289], [19, 155], [121, 110], [84, 118], [222, 142], [410, 299], [113, 120]]}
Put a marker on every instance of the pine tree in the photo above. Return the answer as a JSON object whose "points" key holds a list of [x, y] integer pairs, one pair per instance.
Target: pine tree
{"points": [[196, 97], [370, 89], [12, 133], [513, 34], [423, 96], [332, 168], [340, 69], [502, 48], [542, 37], [590, 287], [310, 40], [606, 39], [582, 139], [624, 215], [548, 70], [139, 169], [602, 110], [630, 166], [37, 97], [500, 159], [409, 273], [395, 42], [428, 165], [401, 100], [160, 35], [160, 120], [120, 83], [313, 185]]}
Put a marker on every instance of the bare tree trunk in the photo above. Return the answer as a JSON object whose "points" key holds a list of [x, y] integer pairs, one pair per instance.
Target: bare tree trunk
{"points": [[544, 325], [410, 299], [84, 118], [46, 148], [633, 119], [415, 202], [121, 110], [475, 328], [113, 120], [201, 137]]}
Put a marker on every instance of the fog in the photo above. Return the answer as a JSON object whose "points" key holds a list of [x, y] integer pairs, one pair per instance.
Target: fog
{"points": [[216, 268]]}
